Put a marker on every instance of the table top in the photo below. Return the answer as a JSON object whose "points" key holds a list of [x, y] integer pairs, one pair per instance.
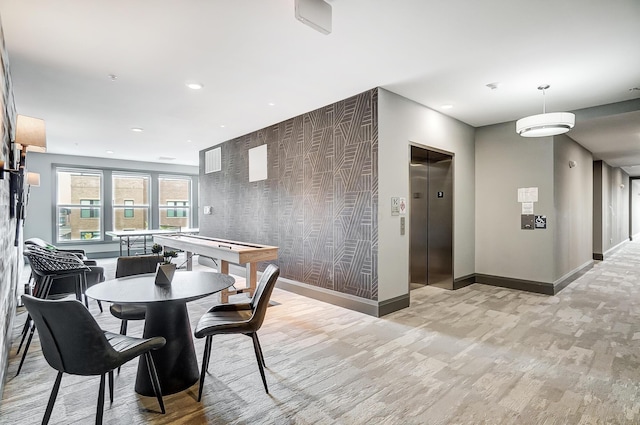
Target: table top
{"points": [[148, 232], [141, 289], [224, 249]]}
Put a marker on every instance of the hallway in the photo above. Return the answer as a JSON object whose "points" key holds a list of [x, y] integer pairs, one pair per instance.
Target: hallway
{"points": [[478, 355]]}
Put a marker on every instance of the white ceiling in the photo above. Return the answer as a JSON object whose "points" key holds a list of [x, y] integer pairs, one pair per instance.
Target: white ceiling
{"points": [[250, 53]]}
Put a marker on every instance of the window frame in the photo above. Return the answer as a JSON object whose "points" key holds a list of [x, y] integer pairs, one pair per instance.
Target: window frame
{"points": [[124, 206], [95, 208], [186, 208]]}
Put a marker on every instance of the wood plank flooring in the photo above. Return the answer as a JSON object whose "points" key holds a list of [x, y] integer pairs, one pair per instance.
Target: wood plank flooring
{"points": [[478, 355]]}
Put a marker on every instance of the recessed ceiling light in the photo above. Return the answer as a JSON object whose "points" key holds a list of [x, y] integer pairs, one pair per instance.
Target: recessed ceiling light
{"points": [[272, 104], [446, 107], [194, 86], [188, 141], [493, 86], [222, 126], [109, 152], [137, 129]]}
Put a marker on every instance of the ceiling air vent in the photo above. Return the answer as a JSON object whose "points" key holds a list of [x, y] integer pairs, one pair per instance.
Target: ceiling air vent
{"points": [[212, 161]]}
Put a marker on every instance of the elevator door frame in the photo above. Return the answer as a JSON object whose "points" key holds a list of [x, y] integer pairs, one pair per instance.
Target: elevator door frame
{"points": [[450, 283]]}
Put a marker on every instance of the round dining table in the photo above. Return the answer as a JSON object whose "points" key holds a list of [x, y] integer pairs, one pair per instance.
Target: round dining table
{"points": [[166, 316]]}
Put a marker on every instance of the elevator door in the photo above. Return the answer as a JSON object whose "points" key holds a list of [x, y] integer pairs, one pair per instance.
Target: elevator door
{"points": [[431, 219]]}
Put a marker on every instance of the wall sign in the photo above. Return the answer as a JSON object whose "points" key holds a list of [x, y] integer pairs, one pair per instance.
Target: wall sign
{"points": [[526, 222], [541, 222]]}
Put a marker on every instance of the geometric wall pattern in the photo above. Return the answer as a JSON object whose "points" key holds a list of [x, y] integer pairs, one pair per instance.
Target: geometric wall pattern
{"points": [[319, 202]]}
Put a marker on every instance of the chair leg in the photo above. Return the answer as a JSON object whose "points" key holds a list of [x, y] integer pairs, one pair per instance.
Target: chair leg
{"points": [[259, 349], [26, 348], [100, 409], [83, 288], [256, 348], [123, 327], [25, 331], [99, 306], [151, 367], [205, 365], [52, 399], [111, 386]]}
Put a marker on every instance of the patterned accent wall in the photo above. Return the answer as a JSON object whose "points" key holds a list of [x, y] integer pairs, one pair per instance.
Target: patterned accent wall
{"points": [[8, 253], [319, 202]]}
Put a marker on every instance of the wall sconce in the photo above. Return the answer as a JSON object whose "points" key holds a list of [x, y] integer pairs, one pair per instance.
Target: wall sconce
{"points": [[30, 135], [33, 179]]}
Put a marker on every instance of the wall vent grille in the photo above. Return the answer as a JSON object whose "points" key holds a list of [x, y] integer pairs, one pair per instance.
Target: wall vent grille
{"points": [[212, 161]]}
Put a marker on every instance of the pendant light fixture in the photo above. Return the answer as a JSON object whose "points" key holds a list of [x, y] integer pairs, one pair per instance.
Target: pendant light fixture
{"points": [[545, 124]]}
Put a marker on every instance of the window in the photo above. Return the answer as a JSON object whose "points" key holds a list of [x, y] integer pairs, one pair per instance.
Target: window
{"points": [[130, 194], [89, 212], [174, 202], [78, 204], [177, 212], [128, 212]]}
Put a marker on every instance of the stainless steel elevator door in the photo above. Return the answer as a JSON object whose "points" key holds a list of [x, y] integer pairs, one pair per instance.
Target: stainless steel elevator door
{"points": [[431, 218]]}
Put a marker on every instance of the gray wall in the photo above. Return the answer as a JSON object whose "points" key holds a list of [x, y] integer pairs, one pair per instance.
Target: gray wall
{"points": [[635, 208], [573, 206], [403, 122], [40, 215], [611, 208], [505, 162], [319, 202]]}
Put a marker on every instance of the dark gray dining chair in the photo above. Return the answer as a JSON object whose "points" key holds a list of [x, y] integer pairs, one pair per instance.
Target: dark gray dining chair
{"points": [[238, 318], [73, 343], [129, 266]]}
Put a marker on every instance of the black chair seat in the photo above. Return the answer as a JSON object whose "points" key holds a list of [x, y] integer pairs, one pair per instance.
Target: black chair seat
{"points": [[128, 311], [225, 318], [129, 348]]}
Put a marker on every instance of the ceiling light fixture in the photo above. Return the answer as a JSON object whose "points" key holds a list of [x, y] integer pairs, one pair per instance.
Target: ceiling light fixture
{"points": [[446, 107], [137, 130], [545, 124], [194, 86]]}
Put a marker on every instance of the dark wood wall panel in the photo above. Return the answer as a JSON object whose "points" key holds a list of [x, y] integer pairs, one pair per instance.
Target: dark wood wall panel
{"points": [[319, 202]]}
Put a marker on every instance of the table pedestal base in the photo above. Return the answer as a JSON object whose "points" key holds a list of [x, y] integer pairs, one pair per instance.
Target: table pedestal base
{"points": [[176, 362]]}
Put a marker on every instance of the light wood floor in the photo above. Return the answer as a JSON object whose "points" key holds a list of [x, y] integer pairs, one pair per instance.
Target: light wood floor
{"points": [[479, 355]]}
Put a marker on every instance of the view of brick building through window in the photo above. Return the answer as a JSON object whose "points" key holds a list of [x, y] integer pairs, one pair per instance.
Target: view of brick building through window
{"points": [[80, 203]]}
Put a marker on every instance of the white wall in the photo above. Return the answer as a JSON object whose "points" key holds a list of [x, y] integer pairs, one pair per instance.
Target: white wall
{"points": [[505, 162], [39, 219], [401, 122]]}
